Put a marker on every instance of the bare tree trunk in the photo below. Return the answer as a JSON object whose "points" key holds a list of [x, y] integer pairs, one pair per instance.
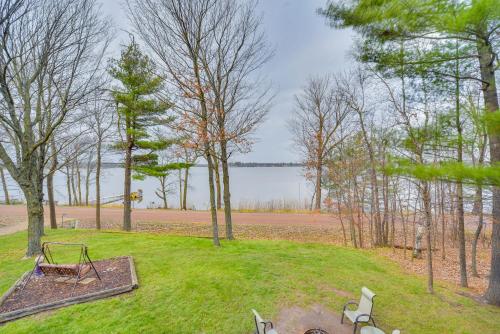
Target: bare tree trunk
{"points": [[443, 221], [68, 185], [461, 235], [163, 189], [184, 195], [79, 182], [385, 199], [213, 208], [339, 209], [426, 197], [460, 189], [50, 185], [227, 194], [181, 206], [87, 178], [373, 180], [52, 205], [98, 186], [217, 183], [34, 199], [75, 197], [35, 222], [5, 188], [127, 223], [454, 231], [319, 171], [404, 220], [352, 229], [479, 200]]}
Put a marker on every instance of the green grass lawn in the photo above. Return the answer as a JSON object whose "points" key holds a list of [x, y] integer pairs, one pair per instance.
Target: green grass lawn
{"points": [[188, 286]]}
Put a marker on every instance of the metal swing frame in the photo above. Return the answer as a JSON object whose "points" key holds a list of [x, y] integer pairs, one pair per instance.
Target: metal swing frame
{"points": [[47, 257]]}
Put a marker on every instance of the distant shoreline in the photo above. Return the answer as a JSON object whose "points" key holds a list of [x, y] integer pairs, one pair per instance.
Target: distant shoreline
{"points": [[231, 164]]}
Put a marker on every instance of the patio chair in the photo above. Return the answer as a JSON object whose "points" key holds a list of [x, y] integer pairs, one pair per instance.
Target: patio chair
{"points": [[363, 314], [261, 325]]}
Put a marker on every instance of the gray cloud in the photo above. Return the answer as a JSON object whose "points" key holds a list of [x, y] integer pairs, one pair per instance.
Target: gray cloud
{"points": [[304, 46]]}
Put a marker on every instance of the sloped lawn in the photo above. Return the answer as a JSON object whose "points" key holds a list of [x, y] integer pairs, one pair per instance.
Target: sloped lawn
{"points": [[188, 286]]}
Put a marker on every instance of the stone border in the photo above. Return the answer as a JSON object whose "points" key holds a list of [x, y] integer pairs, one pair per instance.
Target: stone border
{"points": [[68, 301]]}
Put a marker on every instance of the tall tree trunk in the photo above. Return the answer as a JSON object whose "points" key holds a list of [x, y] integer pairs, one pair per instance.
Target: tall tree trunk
{"points": [[50, 185], [184, 194], [443, 221], [98, 185], [52, 204], [460, 189], [319, 163], [5, 188], [319, 171], [213, 208], [426, 197], [75, 197], [79, 182], [373, 181], [339, 209], [352, 228], [34, 204], [127, 222], [385, 199], [217, 183], [207, 151], [68, 185], [487, 68], [163, 185], [227, 193], [180, 190], [87, 179], [479, 200]]}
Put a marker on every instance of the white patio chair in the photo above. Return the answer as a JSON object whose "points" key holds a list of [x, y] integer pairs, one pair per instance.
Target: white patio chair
{"points": [[262, 325], [363, 314]]}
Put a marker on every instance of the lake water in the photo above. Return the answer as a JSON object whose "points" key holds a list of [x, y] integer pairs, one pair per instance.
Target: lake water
{"points": [[250, 187]]}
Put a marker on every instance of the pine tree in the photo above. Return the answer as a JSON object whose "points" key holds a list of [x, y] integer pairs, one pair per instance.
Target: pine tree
{"points": [[139, 113], [474, 23]]}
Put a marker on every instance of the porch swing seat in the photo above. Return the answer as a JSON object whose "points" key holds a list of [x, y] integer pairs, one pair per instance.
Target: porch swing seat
{"points": [[51, 269]]}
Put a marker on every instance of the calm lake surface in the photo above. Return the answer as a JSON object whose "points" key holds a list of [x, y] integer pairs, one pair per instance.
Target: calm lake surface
{"points": [[251, 187]]}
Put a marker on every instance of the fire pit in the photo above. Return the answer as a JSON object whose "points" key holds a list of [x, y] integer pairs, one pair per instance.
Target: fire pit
{"points": [[49, 292], [316, 331]]}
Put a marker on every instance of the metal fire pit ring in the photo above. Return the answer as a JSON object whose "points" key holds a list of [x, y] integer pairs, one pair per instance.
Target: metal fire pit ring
{"points": [[315, 331]]}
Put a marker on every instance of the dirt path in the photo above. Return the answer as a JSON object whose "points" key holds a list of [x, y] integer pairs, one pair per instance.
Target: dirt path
{"points": [[114, 215], [13, 218], [13, 228]]}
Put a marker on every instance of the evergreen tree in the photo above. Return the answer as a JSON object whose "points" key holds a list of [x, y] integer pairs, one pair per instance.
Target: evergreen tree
{"points": [[475, 24], [140, 112]]}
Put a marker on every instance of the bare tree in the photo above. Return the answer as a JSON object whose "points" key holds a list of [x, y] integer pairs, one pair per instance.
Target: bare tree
{"points": [[41, 43], [235, 49], [352, 87], [317, 119], [101, 120], [187, 152], [175, 31]]}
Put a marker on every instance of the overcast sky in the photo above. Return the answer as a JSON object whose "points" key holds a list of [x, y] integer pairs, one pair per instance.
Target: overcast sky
{"points": [[304, 46]]}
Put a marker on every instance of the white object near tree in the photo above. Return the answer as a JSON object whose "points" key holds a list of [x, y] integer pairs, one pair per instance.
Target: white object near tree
{"points": [[419, 234]]}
